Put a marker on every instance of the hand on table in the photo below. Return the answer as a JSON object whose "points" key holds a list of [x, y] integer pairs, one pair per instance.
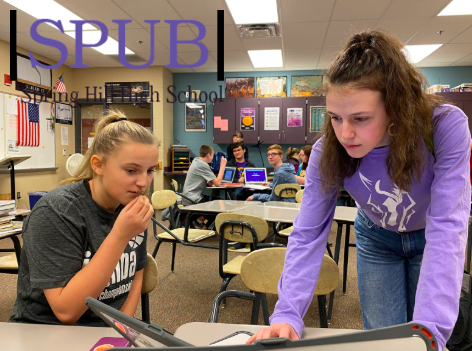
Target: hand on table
{"points": [[265, 184], [250, 198], [280, 330]]}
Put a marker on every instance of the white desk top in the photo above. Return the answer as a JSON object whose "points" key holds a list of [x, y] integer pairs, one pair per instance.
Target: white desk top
{"points": [[5, 162], [344, 213], [41, 337], [282, 204], [271, 214], [226, 186], [220, 206], [11, 232], [201, 334]]}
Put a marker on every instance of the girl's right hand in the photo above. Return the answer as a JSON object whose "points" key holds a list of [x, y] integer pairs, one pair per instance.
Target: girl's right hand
{"points": [[134, 218], [277, 330]]}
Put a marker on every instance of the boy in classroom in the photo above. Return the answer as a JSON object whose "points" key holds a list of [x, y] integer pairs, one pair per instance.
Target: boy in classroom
{"points": [[86, 237], [237, 137], [403, 156], [283, 173], [199, 176], [239, 149], [292, 156]]}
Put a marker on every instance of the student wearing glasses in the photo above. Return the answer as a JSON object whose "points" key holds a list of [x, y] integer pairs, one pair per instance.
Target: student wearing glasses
{"points": [[237, 137], [239, 149], [283, 173]]}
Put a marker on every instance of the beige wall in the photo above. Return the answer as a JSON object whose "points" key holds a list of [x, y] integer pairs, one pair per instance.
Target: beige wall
{"points": [[76, 80], [157, 76], [31, 181]]}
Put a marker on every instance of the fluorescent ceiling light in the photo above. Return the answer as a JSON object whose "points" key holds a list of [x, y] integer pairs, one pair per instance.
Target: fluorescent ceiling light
{"points": [[415, 53], [457, 8], [110, 47], [49, 9], [253, 11], [266, 58]]}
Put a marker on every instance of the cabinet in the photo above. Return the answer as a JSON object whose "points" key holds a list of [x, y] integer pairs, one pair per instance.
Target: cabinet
{"points": [[250, 136], [461, 100], [180, 159], [311, 133], [292, 134], [226, 109], [270, 136]]}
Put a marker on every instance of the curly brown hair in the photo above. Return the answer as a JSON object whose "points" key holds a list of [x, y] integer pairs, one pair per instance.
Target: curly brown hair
{"points": [[374, 60]]}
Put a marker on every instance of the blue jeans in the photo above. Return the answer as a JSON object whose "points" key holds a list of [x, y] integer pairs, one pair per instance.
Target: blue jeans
{"points": [[388, 269]]}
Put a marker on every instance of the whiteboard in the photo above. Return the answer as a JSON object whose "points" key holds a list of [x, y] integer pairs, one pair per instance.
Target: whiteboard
{"points": [[42, 156]]}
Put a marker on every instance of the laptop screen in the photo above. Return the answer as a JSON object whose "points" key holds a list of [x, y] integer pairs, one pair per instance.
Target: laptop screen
{"points": [[228, 174], [255, 175]]}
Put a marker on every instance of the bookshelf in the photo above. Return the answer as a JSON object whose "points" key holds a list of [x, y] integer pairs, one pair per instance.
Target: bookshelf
{"points": [[180, 160]]}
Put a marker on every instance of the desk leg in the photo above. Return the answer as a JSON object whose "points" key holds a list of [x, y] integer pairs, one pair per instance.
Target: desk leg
{"points": [[346, 256], [336, 259]]}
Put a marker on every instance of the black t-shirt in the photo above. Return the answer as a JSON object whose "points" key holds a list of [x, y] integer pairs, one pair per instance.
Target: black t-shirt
{"points": [[60, 236]]}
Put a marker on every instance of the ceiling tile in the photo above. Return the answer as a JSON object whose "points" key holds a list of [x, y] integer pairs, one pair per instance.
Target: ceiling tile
{"points": [[403, 28], [23, 20], [464, 37], [432, 64], [183, 33], [328, 55], [101, 61], [415, 8], [340, 31], [449, 53], [301, 58], [67, 41], [232, 41], [289, 68], [450, 25], [181, 70], [149, 10], [135, 35], [236, 60], [69, 61], [358, 9], [204, 11], [305, 10], [104, 11], [263, 44], [465, 61], [4, 28], [193, 57], [306, 35]]}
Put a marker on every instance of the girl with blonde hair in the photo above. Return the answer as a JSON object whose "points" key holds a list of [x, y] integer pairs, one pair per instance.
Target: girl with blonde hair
{"points": [[86, 237]]}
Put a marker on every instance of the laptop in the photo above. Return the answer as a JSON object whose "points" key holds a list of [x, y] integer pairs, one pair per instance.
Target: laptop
{"points": [[255, 176], [228, 175], [415, 337], [150, 336]]}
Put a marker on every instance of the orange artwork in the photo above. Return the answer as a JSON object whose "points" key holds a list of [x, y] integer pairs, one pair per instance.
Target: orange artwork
{"points": [[271, 87]]}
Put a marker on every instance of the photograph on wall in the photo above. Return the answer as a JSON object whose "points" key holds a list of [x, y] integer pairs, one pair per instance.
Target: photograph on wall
{"points": [[239, 87], [248, 118], [271, 86], [271, 118], [294, 117], [63, 113], [306, 86], [195, 117], [317, 116]]}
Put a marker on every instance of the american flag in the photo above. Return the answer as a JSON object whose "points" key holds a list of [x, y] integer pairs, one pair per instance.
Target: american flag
{"points": [[28, 124], [60, 86]]}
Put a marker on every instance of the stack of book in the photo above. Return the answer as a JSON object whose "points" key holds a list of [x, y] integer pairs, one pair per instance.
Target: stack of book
{"points": [[179, 146], [6, 221]]}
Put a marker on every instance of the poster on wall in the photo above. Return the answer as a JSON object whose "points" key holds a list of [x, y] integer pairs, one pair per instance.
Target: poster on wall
{"points": [[317, 115], [294, 117], [195, 117], [122, 91], [248, 118], [271, 86], [306, 86], [271, 118], [63, 113], [239, 87]]}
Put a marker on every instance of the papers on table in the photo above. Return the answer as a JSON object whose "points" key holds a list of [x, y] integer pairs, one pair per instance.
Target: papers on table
{"points": [[257, 187]]}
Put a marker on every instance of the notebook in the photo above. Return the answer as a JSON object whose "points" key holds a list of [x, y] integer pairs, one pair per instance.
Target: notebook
{"points": [[255, 176], [228, 175]]}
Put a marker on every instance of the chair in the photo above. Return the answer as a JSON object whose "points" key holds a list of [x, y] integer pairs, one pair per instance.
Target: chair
{"points": [[239, 228], [288, 190], [149, 283], [10, 263], [260, 273], [163, 199]]}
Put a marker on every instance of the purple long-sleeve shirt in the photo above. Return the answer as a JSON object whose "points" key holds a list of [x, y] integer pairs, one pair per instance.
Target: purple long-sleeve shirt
{"points": [[440, 203]]}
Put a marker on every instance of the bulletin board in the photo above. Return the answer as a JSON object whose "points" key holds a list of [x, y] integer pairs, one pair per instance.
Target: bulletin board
{"points": [[42, 156]]}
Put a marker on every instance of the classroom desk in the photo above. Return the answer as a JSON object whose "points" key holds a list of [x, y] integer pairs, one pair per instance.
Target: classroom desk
{"points": [[202, 334], [41, 337], [282, 204], [228, 189], [220, 206], [270, 214]]}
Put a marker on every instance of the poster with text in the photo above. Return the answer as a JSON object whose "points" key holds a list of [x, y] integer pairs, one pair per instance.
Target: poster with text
{"points": [[248, 118], [294, 117], [271, 118]]}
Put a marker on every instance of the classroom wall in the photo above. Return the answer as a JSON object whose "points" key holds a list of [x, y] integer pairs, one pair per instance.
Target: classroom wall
{"points": [[32, 181], [157, 76], [208, 82]]}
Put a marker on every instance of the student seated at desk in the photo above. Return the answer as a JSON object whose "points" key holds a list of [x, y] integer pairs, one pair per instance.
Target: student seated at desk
{"points": [[237, 137], [283, 173], [86, 238], [305, 153], [239, 149], [292, 156]]}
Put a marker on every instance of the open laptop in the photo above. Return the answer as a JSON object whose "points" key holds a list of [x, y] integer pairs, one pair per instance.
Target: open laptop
{"points": [[228, 175], [255, 176]]}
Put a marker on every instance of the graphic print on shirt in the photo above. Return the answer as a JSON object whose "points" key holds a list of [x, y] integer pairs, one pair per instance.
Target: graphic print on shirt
{"points": [[390, 208], [125, 268]]}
